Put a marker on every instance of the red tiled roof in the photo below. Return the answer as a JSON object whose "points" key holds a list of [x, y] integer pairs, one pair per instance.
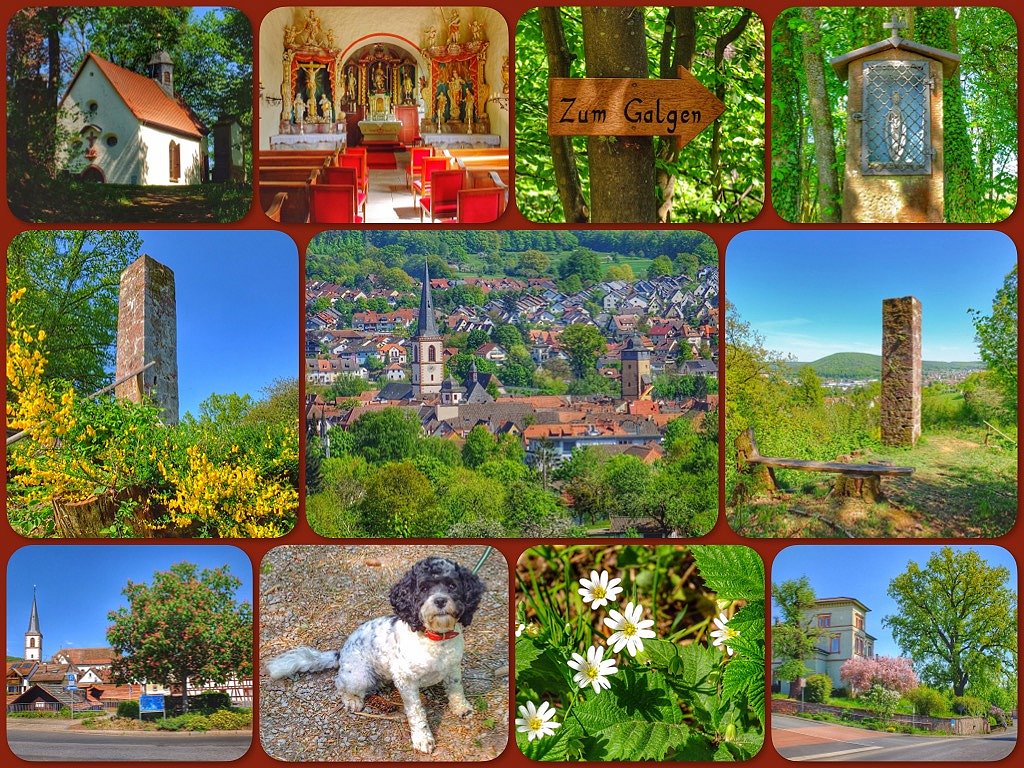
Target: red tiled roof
{"points": [[146, 99]]}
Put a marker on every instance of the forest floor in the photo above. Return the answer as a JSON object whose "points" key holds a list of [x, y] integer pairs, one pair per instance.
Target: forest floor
{"points": [[961, 488], [74, 201]]}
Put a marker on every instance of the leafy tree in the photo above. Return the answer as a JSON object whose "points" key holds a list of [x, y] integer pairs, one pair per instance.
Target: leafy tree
{"points": [[509, 337], [619, 272], [534, 262], [398, 502], [584, 344], [479, 447], [956, 617], [476, 338], [72, 280], [795, 632], [927, 701], [808, 390], [387, 435], [183, 627], [659, 267], [997, 338], [583, 263]]}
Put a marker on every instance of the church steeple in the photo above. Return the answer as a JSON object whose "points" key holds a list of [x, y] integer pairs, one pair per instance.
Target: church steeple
{"points": [[33, 637], [427, 346], [427, 324]]}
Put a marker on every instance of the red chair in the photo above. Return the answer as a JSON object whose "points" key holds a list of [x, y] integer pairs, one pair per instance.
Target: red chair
{"points": [[333, 204], [443, 200], [431, 165], [348, 177], [480, 206], [415, 169], [359, 163]]}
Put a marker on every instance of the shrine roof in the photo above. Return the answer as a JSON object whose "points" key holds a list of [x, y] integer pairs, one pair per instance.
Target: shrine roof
{"points": [[145, 99], [949, 60]]}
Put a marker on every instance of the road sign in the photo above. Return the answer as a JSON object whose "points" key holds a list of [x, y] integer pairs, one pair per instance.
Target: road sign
{"points": [[152, 703], [624, 106]]}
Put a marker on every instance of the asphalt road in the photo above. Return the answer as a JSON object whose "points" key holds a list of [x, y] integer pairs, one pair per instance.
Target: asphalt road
{"points": [[798, 739], [57, 744]]}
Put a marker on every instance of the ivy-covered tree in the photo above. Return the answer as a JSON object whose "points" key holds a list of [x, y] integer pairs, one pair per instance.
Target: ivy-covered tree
{"points": [[186, 626], [997, 339]]}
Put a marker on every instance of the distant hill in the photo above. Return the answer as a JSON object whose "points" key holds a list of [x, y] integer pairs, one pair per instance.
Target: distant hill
{"points": [[860, 365]]}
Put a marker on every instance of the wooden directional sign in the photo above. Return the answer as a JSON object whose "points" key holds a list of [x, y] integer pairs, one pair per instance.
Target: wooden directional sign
{"points": [[624, 106]]}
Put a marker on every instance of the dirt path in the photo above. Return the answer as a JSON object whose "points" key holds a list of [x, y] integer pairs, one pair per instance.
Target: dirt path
{"points": [[316, 595]]}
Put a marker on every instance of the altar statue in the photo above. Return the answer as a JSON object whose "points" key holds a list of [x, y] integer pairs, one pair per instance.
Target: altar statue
{"points": [[453, 28], [477, 30], [325, 107], [379, 83], [430, 37], [456, 90], [300, 107], [895, 130]]}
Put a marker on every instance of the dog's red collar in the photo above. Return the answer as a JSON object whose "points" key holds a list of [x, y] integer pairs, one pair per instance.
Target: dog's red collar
{"points": [[438, 636]]}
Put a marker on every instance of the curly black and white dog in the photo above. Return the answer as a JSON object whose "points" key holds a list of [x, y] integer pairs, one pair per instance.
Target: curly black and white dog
{"points": [[421, 645]]}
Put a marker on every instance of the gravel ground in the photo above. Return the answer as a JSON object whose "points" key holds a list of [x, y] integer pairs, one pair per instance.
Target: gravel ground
{"points": [[316, 595]]}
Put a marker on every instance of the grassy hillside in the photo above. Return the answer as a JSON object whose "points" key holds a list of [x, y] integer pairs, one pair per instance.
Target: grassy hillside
{"points": [[860, 365]]}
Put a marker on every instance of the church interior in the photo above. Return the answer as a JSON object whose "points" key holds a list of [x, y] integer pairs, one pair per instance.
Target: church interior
{"points": [[384, 116]]}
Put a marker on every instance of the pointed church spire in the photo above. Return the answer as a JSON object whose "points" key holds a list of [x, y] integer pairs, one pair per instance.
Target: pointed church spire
{"points": [[427, 325], [33, 621]]}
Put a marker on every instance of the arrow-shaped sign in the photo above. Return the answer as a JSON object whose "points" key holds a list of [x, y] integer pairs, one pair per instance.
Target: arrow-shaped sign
{"points": [[626, 106]]}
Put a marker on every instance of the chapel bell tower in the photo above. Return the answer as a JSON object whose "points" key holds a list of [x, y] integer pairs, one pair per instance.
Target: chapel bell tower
{"points": [[427, 347], [33, 637]]}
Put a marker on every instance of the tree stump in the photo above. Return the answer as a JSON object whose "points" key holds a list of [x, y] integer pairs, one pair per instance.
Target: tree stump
{"points": [[86, 519], [867, 487], [762, 477]]}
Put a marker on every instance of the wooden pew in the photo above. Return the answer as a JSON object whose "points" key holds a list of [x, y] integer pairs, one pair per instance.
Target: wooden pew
{"points": [[295, 207], [288, 173]]}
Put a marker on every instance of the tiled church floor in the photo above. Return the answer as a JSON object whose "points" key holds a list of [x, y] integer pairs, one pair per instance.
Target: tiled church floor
{"points": [[390, 201]]}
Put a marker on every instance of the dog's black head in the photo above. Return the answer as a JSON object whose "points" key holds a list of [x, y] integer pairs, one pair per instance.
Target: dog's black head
{"points": [[436, 594]]}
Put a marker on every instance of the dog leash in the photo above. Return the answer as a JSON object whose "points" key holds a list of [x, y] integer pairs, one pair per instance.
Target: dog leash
{"points": [[483, 559]]}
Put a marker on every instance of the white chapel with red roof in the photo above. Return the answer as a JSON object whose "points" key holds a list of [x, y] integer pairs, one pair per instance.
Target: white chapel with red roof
{"points": [[133, 129]]}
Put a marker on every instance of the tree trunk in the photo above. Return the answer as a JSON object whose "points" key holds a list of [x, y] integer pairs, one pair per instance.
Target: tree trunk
{"points": [[829, 209], [184, 693], [563, 156], [677, 47], [621, 168], [721, 44]]}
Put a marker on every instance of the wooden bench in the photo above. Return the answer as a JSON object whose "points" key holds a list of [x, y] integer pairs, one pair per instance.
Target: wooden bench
{"points": [[864, 480], [294, 207], [288, 173]]}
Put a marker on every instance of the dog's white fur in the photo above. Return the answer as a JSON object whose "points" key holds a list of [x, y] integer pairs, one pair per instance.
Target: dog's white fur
{"points": [[437, 596]]}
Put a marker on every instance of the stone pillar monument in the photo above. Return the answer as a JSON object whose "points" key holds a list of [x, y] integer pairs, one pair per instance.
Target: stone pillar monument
{"points": [[147, 332], [901, 371], [894, 151]]}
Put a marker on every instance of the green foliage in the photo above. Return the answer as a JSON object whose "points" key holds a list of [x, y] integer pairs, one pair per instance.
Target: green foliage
{"points": [[183, 627], [926, 700], [386, 435], [883, 701], [584, 344], [735, 193], [969, 706], [72, 279], [678, 699], [128, 709], [817, 689], [997, 339]]}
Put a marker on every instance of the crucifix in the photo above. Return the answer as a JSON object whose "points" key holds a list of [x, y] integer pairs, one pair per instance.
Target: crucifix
{"points": [[311, 68], [895, 25]]}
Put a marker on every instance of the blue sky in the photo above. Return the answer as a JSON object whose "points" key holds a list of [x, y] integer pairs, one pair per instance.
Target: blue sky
{"points": [[238, 309], [813, 293], [77, 585], [864, 572]]}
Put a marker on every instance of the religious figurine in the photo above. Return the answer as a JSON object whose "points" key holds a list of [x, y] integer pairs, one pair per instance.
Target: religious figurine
{"points": [[311, 108], [325, 107], [477, 29], [430, 37], [379, 84], [895, 130], [289, 36], [455, 90], [442, 102], [352, 85], [504, 74], [453, 28], [408, 94], [300, 108]]}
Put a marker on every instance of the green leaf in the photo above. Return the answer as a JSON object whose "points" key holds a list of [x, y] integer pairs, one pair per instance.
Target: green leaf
{"points": [[733, 571], [698, 664], [637, 719], [527, 652], [745, 676], [749, 621]]}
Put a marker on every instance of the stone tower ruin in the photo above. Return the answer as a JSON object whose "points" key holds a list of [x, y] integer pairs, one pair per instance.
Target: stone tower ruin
{"points": [[901, 371], [147, 332]]}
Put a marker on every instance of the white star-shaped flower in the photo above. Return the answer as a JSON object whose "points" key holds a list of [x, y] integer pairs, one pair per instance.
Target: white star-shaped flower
{"points": [[629, 629], [536, 721], [519, 629], [599, 590], [593, 670], [724, 633]]}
